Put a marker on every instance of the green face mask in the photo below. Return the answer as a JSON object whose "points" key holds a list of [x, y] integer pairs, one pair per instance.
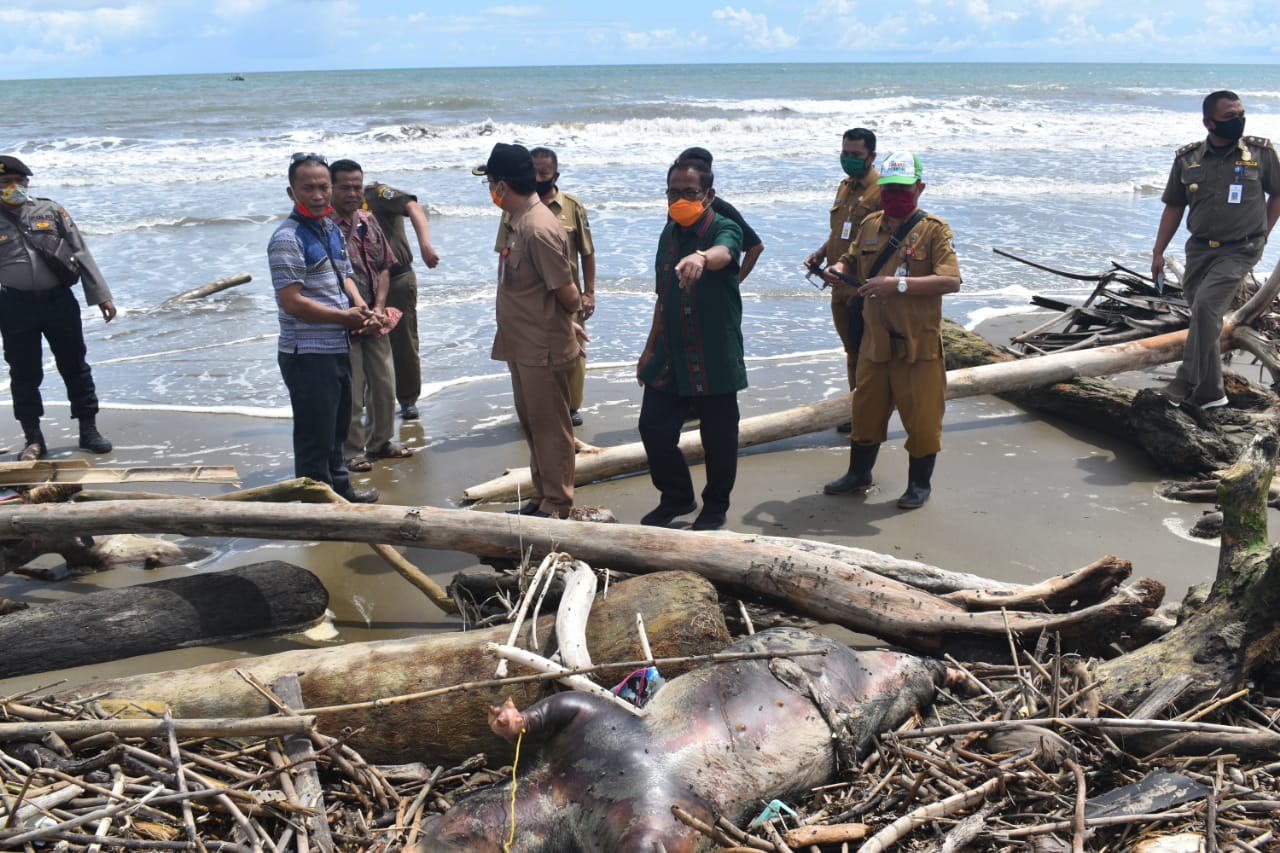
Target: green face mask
{"points": [[854, 167]]}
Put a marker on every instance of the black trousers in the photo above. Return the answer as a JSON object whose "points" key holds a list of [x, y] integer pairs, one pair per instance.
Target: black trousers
{"points": [[661, 416], [55, 316], [320, 393]]}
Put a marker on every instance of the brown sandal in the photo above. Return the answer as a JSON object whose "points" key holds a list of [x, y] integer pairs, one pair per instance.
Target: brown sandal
{"points": [[390, 450], [33, 451], [359, 464]]}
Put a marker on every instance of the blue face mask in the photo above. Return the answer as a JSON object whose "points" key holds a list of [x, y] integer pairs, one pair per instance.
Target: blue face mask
{"points": [[15, 195]]}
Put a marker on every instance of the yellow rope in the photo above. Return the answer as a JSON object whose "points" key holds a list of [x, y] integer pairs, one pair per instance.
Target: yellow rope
{"points": [[515, 762]]}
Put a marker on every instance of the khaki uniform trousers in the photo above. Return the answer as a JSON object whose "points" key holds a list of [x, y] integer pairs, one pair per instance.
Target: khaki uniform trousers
{"points": [[1210, 282], [542, 404], [840, 315], [373, 394], [402, 293], [579, 378], [919, 393]]}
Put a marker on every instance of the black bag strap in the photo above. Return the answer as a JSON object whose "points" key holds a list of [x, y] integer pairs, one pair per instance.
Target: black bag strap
{"points": [[895, 242]]}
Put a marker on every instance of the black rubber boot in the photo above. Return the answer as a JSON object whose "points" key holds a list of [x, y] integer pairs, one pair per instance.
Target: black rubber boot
{"points": [[33, 446], [862, 458], [919, 473], [92, 440]]}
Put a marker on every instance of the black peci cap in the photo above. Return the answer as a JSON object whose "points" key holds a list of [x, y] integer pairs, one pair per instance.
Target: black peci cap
{"points": [[507, 161], [13, 166]]}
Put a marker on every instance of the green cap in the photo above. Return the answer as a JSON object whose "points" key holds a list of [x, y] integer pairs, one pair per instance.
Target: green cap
{"points": [[902, 167]]}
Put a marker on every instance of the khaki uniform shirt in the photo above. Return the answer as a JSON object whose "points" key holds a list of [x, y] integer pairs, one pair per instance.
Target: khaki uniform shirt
{"points": [[903, 325], [573, 216], [533, 328], [855, 198], [391, 207], [1201, 179], [44, 222]]}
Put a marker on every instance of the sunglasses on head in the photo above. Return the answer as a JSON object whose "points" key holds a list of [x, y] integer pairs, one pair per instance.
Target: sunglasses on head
{"points": [[300, 156]]}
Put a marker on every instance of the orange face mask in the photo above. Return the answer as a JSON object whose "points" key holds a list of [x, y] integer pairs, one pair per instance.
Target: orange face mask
{"points": [[494, 195], [685, 212]]}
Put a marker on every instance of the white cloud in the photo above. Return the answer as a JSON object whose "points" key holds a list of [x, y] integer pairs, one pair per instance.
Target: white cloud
{"points": [[514, 11], [980, 11], [72, 34], [755, 29], [235, 9], [662, 39]]}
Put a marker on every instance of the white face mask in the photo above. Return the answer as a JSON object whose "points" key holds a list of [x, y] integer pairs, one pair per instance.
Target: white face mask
{"points": [[14, 195]]}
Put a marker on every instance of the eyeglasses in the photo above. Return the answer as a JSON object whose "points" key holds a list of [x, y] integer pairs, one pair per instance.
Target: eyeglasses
{"points": [[301, 156], [688, 194]]}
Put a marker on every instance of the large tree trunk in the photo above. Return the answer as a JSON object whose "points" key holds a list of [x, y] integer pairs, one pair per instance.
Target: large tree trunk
{"points": [[680, 613], [1236, 631], [809, 584], [196, 610]]}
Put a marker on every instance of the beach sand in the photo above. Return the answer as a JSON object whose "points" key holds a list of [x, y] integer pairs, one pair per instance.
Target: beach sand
{"points": [[1016, 497]]}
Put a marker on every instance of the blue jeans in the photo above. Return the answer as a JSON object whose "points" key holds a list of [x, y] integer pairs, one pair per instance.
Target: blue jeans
{"points": [[320, 393]]}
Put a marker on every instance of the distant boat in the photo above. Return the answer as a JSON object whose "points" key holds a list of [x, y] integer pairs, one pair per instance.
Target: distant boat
{"points": [[236, 77]]}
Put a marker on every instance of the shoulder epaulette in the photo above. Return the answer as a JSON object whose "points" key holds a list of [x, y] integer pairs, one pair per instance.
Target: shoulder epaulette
{"points": [[1190, 146], [1260, 141]]}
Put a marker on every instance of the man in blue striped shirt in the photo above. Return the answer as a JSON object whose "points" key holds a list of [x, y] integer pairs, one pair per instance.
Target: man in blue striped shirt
{"points": [[317, 304]]}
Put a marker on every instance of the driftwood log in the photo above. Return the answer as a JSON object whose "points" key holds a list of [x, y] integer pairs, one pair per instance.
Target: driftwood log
{"points": [[195, 610], [1235, 633], [808, 584], [209, 289], [679, 609], [973, 369]]}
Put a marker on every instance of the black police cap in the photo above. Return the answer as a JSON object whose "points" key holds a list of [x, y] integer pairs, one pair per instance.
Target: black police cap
{"points": [[13, 166]]}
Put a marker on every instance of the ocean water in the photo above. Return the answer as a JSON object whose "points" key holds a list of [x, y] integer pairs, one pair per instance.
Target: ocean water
{"points": [[179, 180]]}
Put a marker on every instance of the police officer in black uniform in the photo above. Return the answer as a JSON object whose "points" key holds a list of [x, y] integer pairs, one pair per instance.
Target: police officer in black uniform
{"points": [[1231, 182], [41, 256]]}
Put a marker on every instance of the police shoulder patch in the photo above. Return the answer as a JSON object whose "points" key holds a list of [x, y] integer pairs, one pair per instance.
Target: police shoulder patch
{"points": [[387, 193], [1259, 141], [1190, 146]]}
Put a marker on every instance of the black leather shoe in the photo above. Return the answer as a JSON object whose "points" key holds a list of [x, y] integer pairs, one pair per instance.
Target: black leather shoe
{"points": [[662, 516], [531, 508], [409, 412], [845, 427], [575, 418], [708, 519], [92, 440], [364, 496]]}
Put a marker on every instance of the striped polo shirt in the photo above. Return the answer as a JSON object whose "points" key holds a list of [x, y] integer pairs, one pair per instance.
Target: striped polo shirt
{"points": [[307, 251]]}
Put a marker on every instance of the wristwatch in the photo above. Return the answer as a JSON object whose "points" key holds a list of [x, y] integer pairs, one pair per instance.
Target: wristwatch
{"points": [[700, 252], [902, 285]]}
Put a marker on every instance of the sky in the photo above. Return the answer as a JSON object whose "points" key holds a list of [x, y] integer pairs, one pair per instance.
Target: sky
{"points": [[83, 38]]}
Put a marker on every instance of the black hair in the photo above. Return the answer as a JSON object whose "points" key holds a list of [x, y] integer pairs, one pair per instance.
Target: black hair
{"points": [[699, 165], [695, 153], [343, 166], [861, 133], [543, 151], [522, 185], [1211, 101], [297, 164]]}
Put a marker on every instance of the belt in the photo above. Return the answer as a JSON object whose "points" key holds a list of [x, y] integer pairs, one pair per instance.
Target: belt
{"points": [[32, 295], [1220, 244], [400, 269]]}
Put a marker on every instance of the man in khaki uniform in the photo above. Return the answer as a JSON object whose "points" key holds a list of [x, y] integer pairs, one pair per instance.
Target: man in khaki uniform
{"points": [[573, 216], [900, 363], [537, 301], [1231, 182], [857, 196], [392, 207]]}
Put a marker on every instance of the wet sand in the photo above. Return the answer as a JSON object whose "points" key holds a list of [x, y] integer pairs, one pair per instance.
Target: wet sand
{"points": [[1016, 497]]}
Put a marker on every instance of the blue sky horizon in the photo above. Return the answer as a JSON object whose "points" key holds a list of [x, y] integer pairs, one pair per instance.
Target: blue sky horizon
{"points": [[93, 38]]}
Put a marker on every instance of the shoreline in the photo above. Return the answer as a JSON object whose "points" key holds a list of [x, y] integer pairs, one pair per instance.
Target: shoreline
{"points": [[1017, 497]]}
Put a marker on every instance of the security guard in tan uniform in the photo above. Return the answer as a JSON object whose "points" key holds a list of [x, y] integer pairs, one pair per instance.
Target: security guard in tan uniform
{"points": [[573, 216], [1231, 182], [900, 362], [41, 256], [857, 196]]}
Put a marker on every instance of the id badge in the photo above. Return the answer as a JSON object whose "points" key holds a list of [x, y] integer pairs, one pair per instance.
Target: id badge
{"points": [[846, 230], [1235, 194]]}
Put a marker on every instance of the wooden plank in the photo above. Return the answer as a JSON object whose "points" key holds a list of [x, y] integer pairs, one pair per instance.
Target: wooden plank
{"points": [[306, 781], [79, 471]]}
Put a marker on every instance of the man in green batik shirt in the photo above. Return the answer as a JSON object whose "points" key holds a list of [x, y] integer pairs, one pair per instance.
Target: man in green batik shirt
{"points": [[693, 358]]}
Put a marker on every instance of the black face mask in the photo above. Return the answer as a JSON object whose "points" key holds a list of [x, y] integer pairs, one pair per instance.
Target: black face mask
{"points": [[545, 187], [1231, 128]]}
